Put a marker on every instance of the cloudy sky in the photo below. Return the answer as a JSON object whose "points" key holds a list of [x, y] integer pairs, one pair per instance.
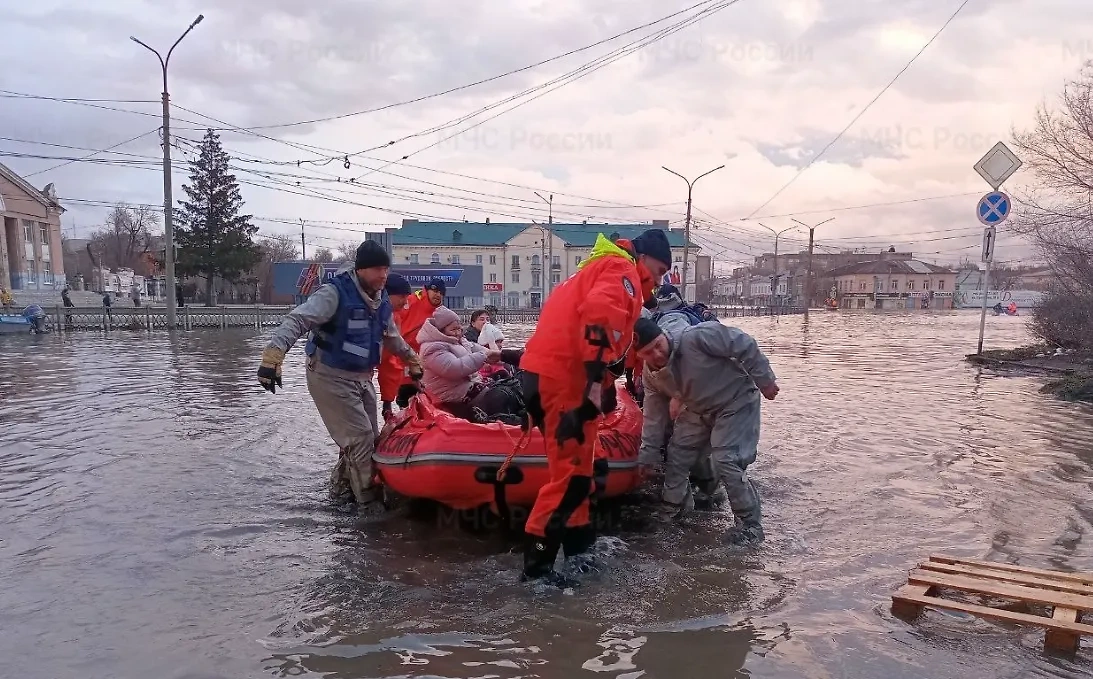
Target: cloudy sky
{"points": [[760, 86]]}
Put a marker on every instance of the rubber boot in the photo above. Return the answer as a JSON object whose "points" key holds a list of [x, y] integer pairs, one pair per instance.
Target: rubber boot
{"points": [[576, 547], [539, 556]]}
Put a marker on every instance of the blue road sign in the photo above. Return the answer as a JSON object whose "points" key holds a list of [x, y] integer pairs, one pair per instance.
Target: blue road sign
{"points": [[993, 208]]}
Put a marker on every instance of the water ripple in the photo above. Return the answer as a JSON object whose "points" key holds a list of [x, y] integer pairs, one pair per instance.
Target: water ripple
{"points": [[158, 509]]}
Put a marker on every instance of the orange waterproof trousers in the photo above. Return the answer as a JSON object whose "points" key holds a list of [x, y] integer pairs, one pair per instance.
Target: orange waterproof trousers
{"points": [[563, 502]]}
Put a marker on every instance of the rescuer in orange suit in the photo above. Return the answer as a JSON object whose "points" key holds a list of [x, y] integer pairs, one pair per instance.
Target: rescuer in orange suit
{"points": [[395, 384], [586, 325]]}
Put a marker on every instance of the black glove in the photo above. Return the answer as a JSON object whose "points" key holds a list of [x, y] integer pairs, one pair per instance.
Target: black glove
{"points": [[618, 368], [572, 423], [386, 411], [512, 356], [595, 371], [416, 373], [610, 400]]}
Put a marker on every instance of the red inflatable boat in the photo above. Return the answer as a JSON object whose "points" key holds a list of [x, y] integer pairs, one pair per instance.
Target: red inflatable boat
{"points": [[425, 452]]}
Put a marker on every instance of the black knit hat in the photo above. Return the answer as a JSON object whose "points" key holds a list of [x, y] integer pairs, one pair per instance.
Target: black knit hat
{"points": [[653, 243], [646, 330], [438, 284], [370, 254], [397, 285]]}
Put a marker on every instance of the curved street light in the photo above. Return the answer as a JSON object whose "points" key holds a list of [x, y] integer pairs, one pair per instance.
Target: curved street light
{"points": [[168, 214], [687, 227]]}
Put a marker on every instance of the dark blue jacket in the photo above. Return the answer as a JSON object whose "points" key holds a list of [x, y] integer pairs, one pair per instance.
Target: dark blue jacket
{"points": [[353, 338]]}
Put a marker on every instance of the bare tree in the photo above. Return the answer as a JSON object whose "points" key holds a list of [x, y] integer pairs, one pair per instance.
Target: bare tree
{"points": [[125, 241], [274, 249], [346, 251], [1058, 215], [324, 255]]}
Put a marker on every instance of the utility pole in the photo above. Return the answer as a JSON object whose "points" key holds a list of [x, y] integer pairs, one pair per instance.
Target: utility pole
{"points": [[303, 243], [549, 286], [808, 280], [687, 226], [168, 200], [777, 235]]}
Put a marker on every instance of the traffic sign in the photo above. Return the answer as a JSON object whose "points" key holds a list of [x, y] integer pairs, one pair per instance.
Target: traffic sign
{"points": [[993, 208], [997, 165], [990, 235]]}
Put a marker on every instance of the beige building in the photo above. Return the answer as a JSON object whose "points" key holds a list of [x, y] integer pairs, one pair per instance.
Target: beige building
{"points": [[30, 249], [894, 284]]}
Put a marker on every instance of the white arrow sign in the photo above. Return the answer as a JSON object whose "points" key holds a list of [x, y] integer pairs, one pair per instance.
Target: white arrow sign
{"points": [[990, 234]]}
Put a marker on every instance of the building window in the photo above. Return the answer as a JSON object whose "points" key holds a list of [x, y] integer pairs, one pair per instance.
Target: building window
{"points": [[861, 285], [455, 258], [413, 258], [556, 261], [910, 284], [926, 284], [556, 277], [493, 278], [894, 285], [535, 260], [28, 231], [516, 261], [515, 276], [493, 259], [478, 259], [534, 279], [47, 274], [32, 274], [941, 285], [43, 233], [434, 258]]}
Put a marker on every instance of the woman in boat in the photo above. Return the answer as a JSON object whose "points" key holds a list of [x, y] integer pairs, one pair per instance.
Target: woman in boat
{"points": [[452, 363]]}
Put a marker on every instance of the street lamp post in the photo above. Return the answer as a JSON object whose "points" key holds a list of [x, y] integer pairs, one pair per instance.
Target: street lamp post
{"points": [[549, 286], [168, 214], [808, 280], [687, 227], [777, 235]]}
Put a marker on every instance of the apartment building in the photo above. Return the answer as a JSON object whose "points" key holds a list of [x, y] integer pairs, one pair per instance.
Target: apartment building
{"points": [[30, 246], [894, 284], [520, 262]]}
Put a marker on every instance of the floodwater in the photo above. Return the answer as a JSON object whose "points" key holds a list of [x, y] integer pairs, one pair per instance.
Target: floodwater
{"points": [[162, 516]]}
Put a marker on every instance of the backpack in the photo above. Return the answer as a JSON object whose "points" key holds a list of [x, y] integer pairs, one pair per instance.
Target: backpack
{"points": [[693, 317]]}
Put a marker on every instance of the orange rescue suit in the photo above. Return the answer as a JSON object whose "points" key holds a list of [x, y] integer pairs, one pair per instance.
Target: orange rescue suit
{"points": [[410, 318], [607, 292]]}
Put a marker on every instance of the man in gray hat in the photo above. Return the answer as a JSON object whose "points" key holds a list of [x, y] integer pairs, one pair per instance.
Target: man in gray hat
{"points": [[350, 321]]}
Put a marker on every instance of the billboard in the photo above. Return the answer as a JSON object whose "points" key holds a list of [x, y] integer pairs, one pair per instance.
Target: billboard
{"points": [[300, 279]]}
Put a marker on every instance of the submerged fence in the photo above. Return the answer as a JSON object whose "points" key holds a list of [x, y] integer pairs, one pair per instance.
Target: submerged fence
{"points": [[147, 318]]}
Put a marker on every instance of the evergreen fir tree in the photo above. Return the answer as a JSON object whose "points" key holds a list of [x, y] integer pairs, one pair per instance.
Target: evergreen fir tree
{"points": [[212, 237]]}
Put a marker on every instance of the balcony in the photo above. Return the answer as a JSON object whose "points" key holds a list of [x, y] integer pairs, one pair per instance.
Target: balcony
{"points": [[556, 266]]}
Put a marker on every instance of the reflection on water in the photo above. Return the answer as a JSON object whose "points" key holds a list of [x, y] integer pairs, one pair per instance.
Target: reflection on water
{"points": [[162, 515]]}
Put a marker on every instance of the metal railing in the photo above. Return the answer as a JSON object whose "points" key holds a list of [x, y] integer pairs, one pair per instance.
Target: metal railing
{"points": [[71, 319]]}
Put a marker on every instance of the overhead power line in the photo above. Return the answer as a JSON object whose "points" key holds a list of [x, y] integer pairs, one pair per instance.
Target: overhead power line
{"points": [[860, 113]]}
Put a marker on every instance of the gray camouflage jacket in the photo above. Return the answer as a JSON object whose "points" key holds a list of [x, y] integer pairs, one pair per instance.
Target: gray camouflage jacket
{"points": [[711, 368]]}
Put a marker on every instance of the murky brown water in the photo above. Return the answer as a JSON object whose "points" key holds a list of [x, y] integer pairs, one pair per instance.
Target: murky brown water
{"points": [[162, 516]]}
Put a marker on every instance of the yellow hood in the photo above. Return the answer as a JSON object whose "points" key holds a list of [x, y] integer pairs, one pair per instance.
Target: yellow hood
{"points": [[602, 248]]}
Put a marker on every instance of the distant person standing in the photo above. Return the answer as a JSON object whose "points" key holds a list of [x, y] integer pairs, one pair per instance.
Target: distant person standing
{"points": [[66, 300], [179, 297], [106, 305]]}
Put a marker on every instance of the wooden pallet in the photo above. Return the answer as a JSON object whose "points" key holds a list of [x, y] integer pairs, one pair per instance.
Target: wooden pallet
{"points": [[1066, 595]]}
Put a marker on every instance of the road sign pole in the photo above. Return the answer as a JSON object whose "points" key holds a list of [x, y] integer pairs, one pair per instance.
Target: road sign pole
{"points": [[983, 316]]}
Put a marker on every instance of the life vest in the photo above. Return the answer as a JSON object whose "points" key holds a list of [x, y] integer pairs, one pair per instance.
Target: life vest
{"points": [[352, 339]]}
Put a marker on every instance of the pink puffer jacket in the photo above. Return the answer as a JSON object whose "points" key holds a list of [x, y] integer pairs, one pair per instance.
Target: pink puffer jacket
{"points": [[451, 365]]}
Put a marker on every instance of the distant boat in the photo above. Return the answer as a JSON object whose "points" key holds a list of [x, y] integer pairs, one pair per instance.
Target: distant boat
{"points": [[831, 305], [13, 324]]}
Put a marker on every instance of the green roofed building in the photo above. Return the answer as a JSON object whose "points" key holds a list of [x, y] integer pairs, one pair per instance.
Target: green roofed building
{"points": [[520, 263]]}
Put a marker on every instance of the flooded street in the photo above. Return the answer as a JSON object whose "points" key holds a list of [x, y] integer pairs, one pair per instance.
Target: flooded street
{"points": [[163, 516]]}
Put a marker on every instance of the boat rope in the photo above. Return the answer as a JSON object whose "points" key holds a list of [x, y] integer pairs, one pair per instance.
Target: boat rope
{"points": [[517, 446]]}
